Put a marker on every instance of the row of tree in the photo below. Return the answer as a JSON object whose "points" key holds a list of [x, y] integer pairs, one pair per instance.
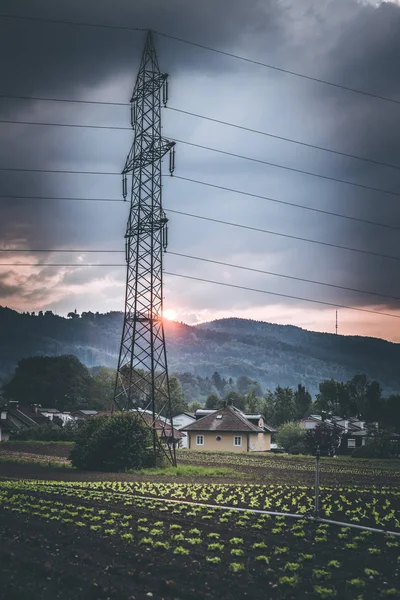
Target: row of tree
{"points": [[63, 382]]}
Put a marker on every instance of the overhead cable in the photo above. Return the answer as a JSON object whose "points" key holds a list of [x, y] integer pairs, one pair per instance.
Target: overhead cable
{"points": [[209, 48], [231, 285]]}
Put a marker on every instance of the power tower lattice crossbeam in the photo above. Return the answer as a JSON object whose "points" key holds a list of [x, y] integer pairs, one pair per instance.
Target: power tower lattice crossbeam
{"points": [[142, 382]]}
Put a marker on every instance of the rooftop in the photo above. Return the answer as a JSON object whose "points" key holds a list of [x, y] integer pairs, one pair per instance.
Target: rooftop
{"points": [[228, 418]]}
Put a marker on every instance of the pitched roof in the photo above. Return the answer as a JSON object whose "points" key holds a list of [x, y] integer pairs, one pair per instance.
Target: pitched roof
{"points": [[224, 419], [26, 416]]}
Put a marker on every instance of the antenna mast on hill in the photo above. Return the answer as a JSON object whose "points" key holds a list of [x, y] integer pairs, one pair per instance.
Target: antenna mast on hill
{"points": [[336, 323], [142, 377]]}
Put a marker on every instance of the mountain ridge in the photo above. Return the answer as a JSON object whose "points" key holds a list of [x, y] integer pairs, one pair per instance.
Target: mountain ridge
{"points": [[273, 354]]}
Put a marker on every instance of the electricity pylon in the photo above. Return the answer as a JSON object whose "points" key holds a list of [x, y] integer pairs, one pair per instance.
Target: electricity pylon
{"points": [[142, 377]]}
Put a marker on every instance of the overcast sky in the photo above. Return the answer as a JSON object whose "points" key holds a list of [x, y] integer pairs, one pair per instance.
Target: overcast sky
{"points": [[348, 42]]}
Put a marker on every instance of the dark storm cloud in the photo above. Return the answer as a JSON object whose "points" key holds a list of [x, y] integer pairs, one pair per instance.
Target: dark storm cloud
{"points": [[62, 58], [343, 41], [366, 56], [66, 61]]}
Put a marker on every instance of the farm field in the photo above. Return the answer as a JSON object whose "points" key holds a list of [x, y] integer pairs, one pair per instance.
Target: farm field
{"points": [[256, 467], [127, 543], [69, 534]]}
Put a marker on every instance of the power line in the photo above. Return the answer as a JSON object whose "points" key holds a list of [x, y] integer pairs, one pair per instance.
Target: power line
{"points": [[64, 22], [68, 172], [185, 112], [65, 250], [286, 168], [209, 48], [231, 285], [66, 100], [248, 158], [301, 279], [285, 235], [70, 198], [240, 287], [72, 125], [222, 222], [219, 187], [317, 210], [285, 139], [207, 260]]}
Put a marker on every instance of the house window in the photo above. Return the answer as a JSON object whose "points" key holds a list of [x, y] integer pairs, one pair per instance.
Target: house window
{"points": [[218, 438], [237, 441], [363, 441], [200, 440], [351, 443]]}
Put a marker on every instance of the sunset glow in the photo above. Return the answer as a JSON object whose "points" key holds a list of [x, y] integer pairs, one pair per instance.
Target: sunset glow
{"points": [[170, 314]]}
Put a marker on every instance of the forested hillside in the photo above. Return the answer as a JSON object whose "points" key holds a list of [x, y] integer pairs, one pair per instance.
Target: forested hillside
{"points": [[271, 354]]}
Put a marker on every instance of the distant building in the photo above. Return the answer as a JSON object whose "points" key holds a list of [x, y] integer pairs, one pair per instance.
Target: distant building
{"points": [[353, 433], [56, 416], [180, 422], [83, 414]]}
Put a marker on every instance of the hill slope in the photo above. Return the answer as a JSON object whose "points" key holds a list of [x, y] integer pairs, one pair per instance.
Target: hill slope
{"points": [[272, 354]]}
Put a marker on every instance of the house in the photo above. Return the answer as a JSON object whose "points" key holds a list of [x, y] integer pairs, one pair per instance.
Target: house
{"points": [[353, 433], [23, 417], [5, 430], [180, 421], [229, 429], [56, 416], [83, 414], [162, 426], [203, 412], [14, 417]]}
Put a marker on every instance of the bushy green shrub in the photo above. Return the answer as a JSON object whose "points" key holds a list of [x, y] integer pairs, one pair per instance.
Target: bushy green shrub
{"points": [[115, 443], [290, 437], [45, 433]]}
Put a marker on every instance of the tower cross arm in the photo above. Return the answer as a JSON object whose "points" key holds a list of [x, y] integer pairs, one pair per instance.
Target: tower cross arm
{"points": [[147, 86], [154, 151]]}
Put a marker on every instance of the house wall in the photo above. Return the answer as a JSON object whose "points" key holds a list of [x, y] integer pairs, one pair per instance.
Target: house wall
{"points": [[182, 421], [4, 435], [308, 423], [260, 442], [250, 442]]}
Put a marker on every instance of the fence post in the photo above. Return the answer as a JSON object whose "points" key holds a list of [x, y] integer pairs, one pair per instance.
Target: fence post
{"points": [[317, 469]]}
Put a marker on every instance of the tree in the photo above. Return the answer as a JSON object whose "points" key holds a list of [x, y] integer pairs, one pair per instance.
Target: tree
{"points": [[284, 406], [358, 387], [390, 413], [302, 401], [218, 381], [61, 382], [327, 399], [102, 386], [114, 443], [324, 436], [235, 399], [212, 402], [380, 443], [178, 401], [290, 437], [193, 406], [73, 315], [268, 407], [253, 402]]}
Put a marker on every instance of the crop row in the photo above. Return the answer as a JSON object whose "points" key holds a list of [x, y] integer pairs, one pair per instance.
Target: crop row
{"points": [[370, 507], [334, 466], [289, 554]]}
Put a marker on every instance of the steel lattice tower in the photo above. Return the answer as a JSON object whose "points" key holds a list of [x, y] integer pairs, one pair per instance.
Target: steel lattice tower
{"points": [[142, 376]]}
